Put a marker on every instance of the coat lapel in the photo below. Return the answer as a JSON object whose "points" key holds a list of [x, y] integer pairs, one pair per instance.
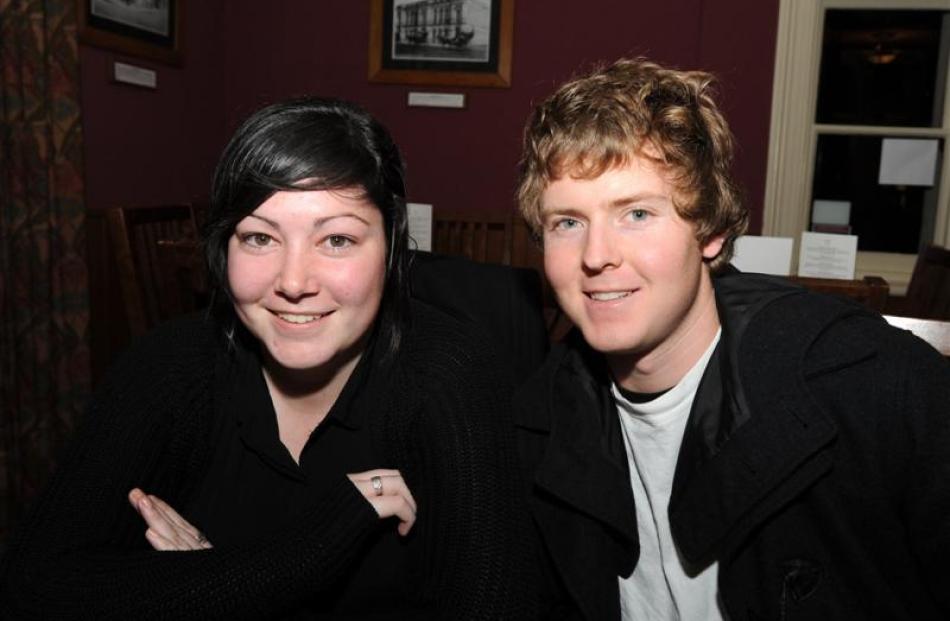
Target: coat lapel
{"points": [[767, 462], [582, 502], [586, 466], [782, 446]]}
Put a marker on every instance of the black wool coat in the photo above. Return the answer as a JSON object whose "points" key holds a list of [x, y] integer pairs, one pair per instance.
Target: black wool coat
{"points": [[815, 467]]}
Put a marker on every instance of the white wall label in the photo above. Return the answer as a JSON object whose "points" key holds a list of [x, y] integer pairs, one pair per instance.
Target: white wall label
{"points": [[138, 76]]}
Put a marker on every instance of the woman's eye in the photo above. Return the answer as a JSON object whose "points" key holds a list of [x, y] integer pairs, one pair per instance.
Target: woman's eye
{"points": [[339, 241], [257, 240]]}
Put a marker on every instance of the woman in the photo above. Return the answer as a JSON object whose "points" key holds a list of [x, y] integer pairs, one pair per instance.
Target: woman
{"points": [[318, 447]]}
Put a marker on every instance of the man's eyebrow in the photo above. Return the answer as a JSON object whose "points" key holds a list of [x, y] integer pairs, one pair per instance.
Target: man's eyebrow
{"points": [[620, 201], [636, 198], [559, 211]]}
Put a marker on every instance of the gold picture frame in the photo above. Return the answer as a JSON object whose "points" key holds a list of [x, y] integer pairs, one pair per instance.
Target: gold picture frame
{"points": [[143, 28]]}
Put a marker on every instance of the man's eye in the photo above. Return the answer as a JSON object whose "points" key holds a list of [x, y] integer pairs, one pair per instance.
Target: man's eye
{"points": [[565, 224], [638, 215]]}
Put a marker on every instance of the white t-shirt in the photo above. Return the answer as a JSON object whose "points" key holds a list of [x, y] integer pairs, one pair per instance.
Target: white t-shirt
{"points": [[659, 588]]}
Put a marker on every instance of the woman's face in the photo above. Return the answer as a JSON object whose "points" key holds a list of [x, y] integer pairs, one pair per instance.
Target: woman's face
{"points": [[307, 271]]}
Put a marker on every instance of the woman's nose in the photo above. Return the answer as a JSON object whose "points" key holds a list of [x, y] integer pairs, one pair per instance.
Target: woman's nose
{"points": [[298, 275]]}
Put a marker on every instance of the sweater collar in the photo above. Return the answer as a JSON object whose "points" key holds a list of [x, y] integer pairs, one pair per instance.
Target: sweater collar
{"points": [[251, 408]]}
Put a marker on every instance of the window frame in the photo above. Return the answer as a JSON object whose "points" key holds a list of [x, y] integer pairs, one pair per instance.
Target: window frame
{"points": [[794, 133]]}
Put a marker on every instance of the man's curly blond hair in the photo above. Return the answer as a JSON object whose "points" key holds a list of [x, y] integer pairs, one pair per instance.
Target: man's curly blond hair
{"points": [[634, 107]]}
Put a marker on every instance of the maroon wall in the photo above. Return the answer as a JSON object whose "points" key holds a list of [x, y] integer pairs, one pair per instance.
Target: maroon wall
{"points": [[149, 147], [466, 159], [738, 44]]}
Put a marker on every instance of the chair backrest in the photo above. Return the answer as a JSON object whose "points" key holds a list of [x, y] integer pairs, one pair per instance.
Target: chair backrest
{"points": [[928, 292], [871, 291], [504, 300], [483, 236], [935, 332], [493, 236], [158, 260]]}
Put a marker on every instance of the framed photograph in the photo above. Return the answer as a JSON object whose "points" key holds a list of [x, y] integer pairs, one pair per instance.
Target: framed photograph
{"points": [[441, 42], [144, 28]]}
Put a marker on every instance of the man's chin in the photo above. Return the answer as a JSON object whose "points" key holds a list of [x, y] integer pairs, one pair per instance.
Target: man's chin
{"points": [[607, 344]]}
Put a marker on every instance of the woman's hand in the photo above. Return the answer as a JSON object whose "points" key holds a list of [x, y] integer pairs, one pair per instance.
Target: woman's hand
{"points": [[166, 529], [388, 493]]}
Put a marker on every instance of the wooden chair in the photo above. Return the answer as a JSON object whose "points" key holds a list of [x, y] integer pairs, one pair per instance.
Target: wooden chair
{"points": [[483, 236], [935, 332], [157, 254], [928, 292], [872, 291]]}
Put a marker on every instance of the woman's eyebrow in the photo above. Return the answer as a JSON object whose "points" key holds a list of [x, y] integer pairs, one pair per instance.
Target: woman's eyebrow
{"points": [[262, 218], [316, 223], [321, 221]]}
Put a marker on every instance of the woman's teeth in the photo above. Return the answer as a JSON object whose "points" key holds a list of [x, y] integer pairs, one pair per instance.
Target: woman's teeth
{"points": [[299, 318], [606, 296]]}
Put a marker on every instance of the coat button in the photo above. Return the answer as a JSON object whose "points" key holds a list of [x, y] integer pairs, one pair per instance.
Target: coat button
{"points": [[802, 577]]}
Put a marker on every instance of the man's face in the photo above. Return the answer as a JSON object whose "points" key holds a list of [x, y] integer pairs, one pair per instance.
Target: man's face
{"points": [[626, 268]]}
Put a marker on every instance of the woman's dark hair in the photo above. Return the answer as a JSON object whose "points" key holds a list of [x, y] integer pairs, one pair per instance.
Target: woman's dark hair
{"points": [[311, 144]]}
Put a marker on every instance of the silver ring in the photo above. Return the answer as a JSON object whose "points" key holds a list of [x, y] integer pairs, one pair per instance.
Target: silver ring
{"points": [[377, 485]]}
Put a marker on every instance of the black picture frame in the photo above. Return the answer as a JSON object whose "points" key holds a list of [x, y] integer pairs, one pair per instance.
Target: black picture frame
{"points": [[441, 51]]}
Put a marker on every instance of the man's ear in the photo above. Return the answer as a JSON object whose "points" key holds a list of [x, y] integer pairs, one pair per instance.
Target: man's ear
{"points": [[713, 247]]}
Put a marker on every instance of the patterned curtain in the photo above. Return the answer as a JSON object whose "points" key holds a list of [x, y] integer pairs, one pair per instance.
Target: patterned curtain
{"points": [[44, 318]]}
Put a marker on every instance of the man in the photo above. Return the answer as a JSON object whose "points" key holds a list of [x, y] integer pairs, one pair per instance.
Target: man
{"points": [[710, 444]]}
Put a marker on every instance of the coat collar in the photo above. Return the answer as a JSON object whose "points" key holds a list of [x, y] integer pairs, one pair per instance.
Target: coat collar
{"points": [[756, 436]]}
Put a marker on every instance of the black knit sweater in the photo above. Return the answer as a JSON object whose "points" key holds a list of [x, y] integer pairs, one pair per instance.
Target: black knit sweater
{"points": [[81, 553]]}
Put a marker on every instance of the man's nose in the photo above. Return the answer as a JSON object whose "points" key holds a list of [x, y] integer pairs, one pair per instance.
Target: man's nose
{"points": [[601, 250]]}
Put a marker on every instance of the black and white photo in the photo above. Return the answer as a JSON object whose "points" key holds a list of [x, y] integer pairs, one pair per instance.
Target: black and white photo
{"points": [[441, 30], [449, 42], [148, 15]]}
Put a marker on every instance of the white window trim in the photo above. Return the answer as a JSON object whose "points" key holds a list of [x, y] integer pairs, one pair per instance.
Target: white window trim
{"points": [[793, 134]]}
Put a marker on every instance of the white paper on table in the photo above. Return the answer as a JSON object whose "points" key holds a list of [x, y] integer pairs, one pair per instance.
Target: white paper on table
{"points": [[908, 161], [831, 212], [765, 255], [420, 225], [825, 255]]}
